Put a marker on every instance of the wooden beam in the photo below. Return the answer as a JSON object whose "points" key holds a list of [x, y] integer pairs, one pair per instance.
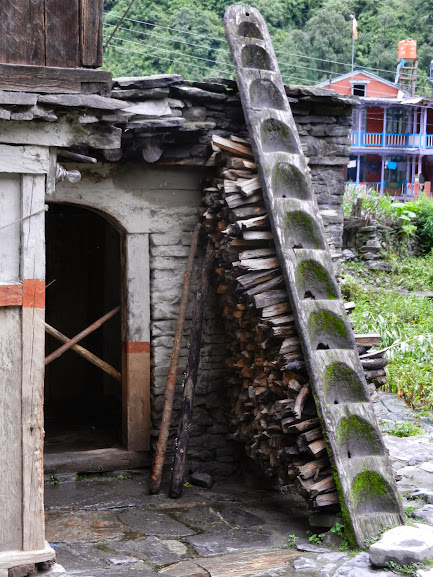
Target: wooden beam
{"points": [[10, 431], [22, 34], [71, 342], [96, 461], [136, 343], [107, 368], [161, 447], [54, 80], [61, 134], [91, 32], [190, 381], [62, 25], [33, 350], [11, 559], [11, 295]]}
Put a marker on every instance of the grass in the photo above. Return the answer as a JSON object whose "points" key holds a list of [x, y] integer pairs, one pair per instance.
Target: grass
{"points": [[404, 429], [404, 321]]}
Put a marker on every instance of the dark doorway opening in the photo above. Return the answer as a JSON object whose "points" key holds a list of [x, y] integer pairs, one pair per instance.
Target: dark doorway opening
{"points": [[83, 405]]}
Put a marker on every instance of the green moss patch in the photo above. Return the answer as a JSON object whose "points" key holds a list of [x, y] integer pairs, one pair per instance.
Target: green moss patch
{"points": [[313, 277]]}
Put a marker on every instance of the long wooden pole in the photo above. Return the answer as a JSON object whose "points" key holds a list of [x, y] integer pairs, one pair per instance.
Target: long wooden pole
{"points": [[107, 368], [71, 342], [190, 381], [161, 448]]}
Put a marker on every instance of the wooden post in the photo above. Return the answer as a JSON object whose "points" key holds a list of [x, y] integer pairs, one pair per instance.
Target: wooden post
{"points": [[190, 380], [172, 373], [136, 342]]}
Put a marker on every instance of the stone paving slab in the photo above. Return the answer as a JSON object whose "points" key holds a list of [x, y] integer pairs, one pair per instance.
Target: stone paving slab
{"points": [[251, 564], [82, 526], [96, 493], [226, 514], [155, 523], [229, 540], [157, 551]]}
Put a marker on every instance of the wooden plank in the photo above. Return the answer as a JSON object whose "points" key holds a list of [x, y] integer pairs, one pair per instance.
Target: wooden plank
{"points": [[368, 340], [25, 159], [54, 79], [62, 25], [91, 32], [33, 352], [136, 337], [230, 146], [96, 461], [191, 372], [11, 295], [10, 212], [22, 37], [16, 558], [61, 134], [10, 430], [170, 388]]}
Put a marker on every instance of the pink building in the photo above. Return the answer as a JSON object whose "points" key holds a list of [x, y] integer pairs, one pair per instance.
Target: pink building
{"points": [[392, 134]]}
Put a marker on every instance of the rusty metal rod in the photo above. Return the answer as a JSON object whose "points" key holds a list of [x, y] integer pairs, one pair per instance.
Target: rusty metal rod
{"points": [[161, 448], [59, 352], [106, 367]]}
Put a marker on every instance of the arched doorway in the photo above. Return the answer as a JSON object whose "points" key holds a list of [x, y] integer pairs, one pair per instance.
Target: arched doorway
{"points": [[83, 404]]}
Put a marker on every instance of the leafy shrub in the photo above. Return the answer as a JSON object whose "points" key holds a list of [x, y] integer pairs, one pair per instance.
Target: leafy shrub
{"points": [[425, 224]]}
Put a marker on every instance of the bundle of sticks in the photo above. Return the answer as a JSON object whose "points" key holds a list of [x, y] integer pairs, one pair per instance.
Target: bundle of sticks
{"points": [[274, 413]]}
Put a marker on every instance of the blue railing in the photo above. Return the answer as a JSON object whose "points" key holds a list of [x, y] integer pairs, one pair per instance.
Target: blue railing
{"points": [[429, 141], [392, 140]]}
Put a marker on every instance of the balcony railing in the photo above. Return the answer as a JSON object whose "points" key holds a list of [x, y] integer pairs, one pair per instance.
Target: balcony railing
{"points": [[391, 140]]}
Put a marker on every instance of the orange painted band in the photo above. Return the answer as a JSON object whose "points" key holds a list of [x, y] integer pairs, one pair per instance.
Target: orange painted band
{"points": [[11, 295], [33, 293], [137, 347]]}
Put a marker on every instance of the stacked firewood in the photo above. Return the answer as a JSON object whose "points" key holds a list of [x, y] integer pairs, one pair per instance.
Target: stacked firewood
{"points": [[274, 413]]}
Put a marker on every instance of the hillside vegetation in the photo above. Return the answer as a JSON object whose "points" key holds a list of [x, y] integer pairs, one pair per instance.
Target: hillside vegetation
{"points": [[312, 39]]}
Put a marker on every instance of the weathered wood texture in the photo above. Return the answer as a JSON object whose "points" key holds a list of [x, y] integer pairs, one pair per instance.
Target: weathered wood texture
{"points": [[11, 525], [14, 558], [54, 80], [33, 349], [170, 389], [91, 32], [190, 381], [10, 212], [22, 338], [51, 32], [136, 343], [22, 33], [365, 478], [96, 461]]}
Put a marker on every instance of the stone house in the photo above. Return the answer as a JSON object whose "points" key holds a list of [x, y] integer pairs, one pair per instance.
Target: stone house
{"points": [[120, 236]]}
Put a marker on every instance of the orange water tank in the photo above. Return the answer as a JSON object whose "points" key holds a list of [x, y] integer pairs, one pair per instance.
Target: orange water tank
{"points": [[407, 49]]}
